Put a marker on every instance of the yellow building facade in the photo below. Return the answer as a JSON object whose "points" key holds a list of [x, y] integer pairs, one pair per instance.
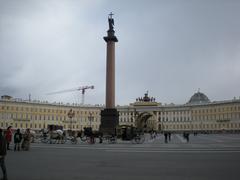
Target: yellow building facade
{"points": [[199, 114], [39, 115]]}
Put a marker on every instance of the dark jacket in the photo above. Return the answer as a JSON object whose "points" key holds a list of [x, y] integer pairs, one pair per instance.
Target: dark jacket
{"points": [[3, 146], [17, 137]]}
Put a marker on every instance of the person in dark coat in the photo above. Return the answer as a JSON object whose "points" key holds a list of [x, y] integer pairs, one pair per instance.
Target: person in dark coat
{"points": [[187, 137], [17, 140], [166, 137], [3, 153], [169, 136]]}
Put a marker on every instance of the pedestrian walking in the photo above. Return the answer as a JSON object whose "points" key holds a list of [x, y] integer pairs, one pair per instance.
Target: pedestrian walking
{"points": [[187, 137], [100, 137], [169, 136], [166, 137], [3, 153], [17, 140], [8, 136]]}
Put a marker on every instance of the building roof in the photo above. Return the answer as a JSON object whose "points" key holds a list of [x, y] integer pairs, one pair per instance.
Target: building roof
{"points": [[198, 98]]}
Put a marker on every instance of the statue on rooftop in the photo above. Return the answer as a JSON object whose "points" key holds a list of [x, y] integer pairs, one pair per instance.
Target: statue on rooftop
{"points": [[110, 21]]}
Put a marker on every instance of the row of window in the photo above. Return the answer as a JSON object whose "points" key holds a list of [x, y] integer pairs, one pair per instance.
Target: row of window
{"points": [[164, 119], [126, 120], [174, 112], [220, 109], [218, 117], [202, 126], [42, 126], [28, 109], [177, 119], [40, 117]]}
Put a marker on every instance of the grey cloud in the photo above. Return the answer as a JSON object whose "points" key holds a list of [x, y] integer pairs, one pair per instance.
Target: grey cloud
{"points": [[170, 48]]}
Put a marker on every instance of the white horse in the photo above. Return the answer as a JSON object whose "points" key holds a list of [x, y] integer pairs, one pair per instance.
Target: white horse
{"points": [[57, 135]]}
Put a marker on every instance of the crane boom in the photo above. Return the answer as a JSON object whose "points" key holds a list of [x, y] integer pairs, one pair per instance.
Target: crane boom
{"points": [[81, 88]]}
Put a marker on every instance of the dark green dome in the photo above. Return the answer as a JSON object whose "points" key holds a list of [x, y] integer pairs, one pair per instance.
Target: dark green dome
{"points": [[198, 98]]}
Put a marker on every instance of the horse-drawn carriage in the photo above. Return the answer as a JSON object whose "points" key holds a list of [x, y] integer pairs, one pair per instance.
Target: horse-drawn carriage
{"points": [[54, 134], [127, 133], [87, 135]]}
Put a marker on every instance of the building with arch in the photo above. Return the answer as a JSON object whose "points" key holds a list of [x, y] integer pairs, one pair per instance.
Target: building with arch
{"points": [[198, 114]]}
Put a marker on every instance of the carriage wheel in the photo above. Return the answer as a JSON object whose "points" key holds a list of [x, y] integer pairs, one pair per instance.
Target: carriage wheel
{"points": [[44, 140], [52, 141], [74, 140], [139, 139], [91, 140], [112, 140], [64, 140], [83, 138]]}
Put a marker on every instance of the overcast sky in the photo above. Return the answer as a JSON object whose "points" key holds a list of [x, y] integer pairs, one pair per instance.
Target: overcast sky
{"points": [[168, 47]]}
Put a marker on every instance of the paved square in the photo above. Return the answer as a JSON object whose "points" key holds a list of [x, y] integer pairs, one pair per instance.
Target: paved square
{"points": [[204, 157]]}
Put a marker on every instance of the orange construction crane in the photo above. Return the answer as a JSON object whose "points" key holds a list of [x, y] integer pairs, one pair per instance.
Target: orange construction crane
{"points": [[82, 88]]}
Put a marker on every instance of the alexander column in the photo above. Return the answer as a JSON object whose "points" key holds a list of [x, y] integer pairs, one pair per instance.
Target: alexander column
{"points": [[110, 116]]}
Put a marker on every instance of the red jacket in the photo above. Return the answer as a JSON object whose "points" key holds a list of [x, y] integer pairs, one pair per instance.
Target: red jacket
{"points": [[8, 135]]}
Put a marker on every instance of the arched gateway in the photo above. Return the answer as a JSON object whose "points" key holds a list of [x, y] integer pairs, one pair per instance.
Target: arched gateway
{"points": [[145, 118], [146, 121]]}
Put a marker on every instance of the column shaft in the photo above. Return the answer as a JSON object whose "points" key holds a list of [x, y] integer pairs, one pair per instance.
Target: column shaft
{"points": [[110, 75]]}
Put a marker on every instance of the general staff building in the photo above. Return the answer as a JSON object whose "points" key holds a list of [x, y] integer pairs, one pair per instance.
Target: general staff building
{"points": [[198, 114]]}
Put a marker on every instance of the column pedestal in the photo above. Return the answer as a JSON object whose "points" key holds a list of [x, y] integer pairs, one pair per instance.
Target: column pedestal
{"points": [[109, 121]]}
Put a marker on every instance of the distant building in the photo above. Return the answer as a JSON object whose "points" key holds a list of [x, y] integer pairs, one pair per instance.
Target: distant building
{"points": [[39, 115], [198, 114]]}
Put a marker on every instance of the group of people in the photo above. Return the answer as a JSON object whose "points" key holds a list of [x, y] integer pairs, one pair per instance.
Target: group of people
{"points": [[153, 134], [167, 136], [186, 136], [21, 141]]}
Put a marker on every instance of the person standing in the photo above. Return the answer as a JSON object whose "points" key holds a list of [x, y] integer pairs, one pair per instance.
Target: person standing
{"points": [[26, 140], [17, 140], [166, 137], [3, 153], [9, 136], [169, 136]]}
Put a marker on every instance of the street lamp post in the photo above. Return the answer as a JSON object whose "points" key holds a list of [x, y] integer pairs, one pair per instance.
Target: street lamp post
{"points": [[90, 118]]}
